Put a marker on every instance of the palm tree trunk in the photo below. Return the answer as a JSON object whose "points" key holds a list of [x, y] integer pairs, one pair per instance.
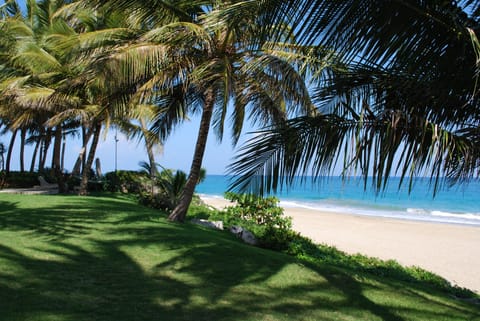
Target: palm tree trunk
{"points": [[62, 157], [10, 150], [81, 156], [56, 159], [34, 155], [46, 145], [23, 134], [180, 211], [91, 156], [41, 138], [149, 148], [2, 151]]}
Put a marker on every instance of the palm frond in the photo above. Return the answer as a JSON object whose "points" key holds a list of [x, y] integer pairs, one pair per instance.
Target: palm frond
{"points": [[310, 146], [35, 59]]}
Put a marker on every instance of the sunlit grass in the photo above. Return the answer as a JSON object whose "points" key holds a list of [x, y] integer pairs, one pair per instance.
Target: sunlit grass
{"points": [[106, 258]]}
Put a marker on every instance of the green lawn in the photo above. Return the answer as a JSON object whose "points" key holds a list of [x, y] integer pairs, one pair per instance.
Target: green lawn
{"points": [[107, 258]]}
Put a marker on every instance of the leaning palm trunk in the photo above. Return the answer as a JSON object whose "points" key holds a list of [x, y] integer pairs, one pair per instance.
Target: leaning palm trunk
{"points": [[81, 156], [10, 150], [180, 211], [34, 155], [149, 148], [151, 159], [91, 155]]}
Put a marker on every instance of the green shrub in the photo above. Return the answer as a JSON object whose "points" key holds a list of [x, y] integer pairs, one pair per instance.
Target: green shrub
{"points": [[258, 210], [126, 181], [276, 239], [21, 180], [167, 190], [170, 187], [152, 200], [263, 217], [73, 181]]}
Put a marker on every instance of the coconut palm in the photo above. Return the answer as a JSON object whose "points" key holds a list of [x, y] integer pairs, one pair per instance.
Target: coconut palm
{"points": [[408, 103], [201, 65], [36, 71], [60, 57], [97, 32]]}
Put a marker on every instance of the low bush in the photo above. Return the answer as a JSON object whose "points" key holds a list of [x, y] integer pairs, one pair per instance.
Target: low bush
{"points": [[166, 190], [126, 181], [20, 180], [262, 216], [158, 201], [258, 210]]}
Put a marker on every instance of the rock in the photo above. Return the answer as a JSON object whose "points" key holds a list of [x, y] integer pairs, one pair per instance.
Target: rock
{"points": [[211, 224], [244, 234]]}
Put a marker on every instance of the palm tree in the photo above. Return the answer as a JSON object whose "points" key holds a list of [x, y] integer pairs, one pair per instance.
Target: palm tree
{"points": [[137, 125], [34, 71], [60, 57], [100, 31], [199, 65], [408, 102]]}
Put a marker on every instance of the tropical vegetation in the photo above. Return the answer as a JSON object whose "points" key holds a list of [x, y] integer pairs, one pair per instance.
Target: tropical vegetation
{"points": [[378, 87], [382, 87]]}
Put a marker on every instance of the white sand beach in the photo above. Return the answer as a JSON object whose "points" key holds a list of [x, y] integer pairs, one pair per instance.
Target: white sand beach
{"points": [[449, 250]]}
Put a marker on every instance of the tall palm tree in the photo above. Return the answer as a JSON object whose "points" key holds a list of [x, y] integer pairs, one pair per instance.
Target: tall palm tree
{"points": [[408, 103], [8, 11], [200, 65]]}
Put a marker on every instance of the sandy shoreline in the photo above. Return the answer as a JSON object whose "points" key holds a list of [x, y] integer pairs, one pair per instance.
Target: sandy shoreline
{"points": [[452, 251]]}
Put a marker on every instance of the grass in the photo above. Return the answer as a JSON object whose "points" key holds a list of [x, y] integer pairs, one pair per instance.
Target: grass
{"points": [[106, 258]]}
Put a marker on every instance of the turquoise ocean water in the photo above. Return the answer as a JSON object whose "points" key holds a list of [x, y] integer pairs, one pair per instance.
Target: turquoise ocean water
{"points": [[458, 204]]}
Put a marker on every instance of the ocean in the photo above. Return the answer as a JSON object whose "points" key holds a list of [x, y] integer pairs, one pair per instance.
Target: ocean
{"points": [[459, 204]]}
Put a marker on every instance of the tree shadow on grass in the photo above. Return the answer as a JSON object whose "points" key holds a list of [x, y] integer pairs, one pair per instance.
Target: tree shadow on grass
{"points": [[154, 270], [204, 281], [107, 283], [66, 216]]}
